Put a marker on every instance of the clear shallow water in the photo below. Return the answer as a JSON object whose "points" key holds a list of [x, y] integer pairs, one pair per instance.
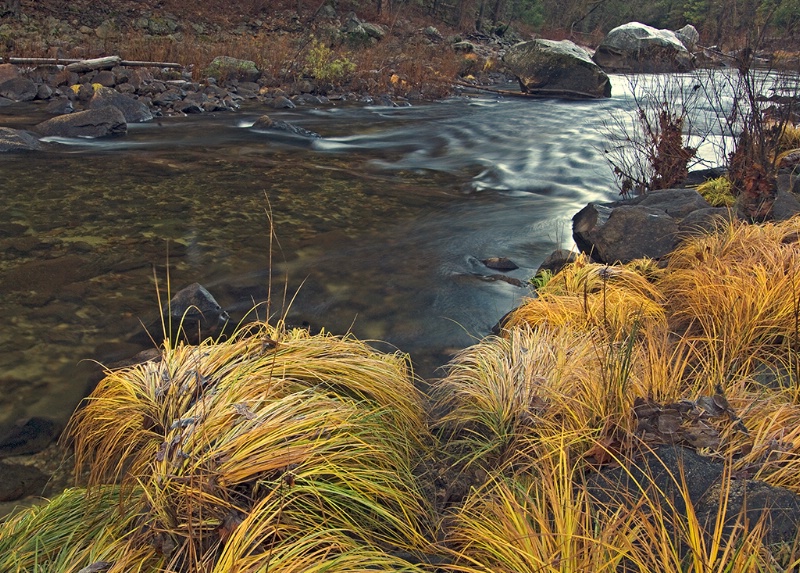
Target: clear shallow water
{"points": [[381, 226]]}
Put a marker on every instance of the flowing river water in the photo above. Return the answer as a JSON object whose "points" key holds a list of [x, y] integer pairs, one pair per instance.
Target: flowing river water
{"points": [[380, 227]]}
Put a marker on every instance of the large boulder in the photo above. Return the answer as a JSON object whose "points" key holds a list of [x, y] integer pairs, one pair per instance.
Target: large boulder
{"points": [[546, 66], [18, 89], [636, 47], [102, 122], [17, 140], [132, 109], [647, 226], [226, 68]]}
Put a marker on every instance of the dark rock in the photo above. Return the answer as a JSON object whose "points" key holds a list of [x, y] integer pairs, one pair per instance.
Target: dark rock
{"points": [[785, 206], [43, 92], [133, 110], [556, 261], [17, 140], [102, 122], [20, 480], [192, 315], [18, 89], [650, 225], [624, 233], [28, 437], [106, 78], [638, 48], [546, 65], [188, 106], [266, 123], [704, 220], [661, 474], [282, 102], [674, 202], [500, 264], [60, 106]]}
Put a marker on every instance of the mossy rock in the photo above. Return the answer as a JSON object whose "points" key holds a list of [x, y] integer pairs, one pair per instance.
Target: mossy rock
{"points": [[228, 68]]}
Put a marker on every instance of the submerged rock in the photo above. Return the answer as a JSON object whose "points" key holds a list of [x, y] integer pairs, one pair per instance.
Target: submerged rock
{"points": [[266, 123], [545, 66]]}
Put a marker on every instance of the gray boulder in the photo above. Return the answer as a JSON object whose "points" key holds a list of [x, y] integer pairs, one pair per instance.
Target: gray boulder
{"points": [[102, 122], [647, 226], [226, 68], [689, 37], [18, 89], [132, 109], [544, 66], [635, 47], [17, 140]]}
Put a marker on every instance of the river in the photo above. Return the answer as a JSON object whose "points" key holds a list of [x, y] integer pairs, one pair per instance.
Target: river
{"points": [[380, 227]]}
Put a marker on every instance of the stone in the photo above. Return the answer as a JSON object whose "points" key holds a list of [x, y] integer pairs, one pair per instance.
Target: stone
{"points": [[282, 102], [624, 233], [18, 89], [101, 122], [226, 68], [106, 78], [464, 46], [373, 30], [556, 261], [133, 110], [20, 480], [639, 48], [43, 92], [689, 37], [266, 123], [195, 311], [785, 206], [60, 106], [650, 225], [543, 66], [17, 140], [28, 436], [500, 264]]}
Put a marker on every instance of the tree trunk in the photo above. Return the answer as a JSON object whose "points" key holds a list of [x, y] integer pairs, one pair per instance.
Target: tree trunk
{"points": [[479, 21]]}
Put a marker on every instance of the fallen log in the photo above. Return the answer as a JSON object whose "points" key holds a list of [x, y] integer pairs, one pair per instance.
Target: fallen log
{"points": [[70, 61], [105, 63]]}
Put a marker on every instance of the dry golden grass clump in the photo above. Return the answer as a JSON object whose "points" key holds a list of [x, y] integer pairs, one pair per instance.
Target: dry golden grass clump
{"points": [[559, 395], [275, 451]]}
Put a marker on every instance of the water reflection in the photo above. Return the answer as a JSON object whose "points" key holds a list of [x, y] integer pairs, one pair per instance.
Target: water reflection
{"points": [[380, 225]]}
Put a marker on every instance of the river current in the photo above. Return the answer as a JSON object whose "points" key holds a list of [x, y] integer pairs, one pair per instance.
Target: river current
{"points": [[380, 226]]}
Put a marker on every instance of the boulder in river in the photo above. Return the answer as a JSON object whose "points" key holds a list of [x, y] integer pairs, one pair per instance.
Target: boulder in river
{"points": [[102, 122], [647, 226], [639, 48], [561, 68], [132, 109], [19, 89], [17, 140]]}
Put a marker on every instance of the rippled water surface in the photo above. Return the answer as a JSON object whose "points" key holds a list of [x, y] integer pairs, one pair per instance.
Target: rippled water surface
{"points": [[380, 225]]}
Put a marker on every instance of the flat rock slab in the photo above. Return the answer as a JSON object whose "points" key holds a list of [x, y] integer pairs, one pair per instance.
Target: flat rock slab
{"points": [[102, 122]]}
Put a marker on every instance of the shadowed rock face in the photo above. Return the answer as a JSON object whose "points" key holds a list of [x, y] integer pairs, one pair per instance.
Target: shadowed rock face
{"points": [[133, 110], [103, 122], [635, 47], [17, 140], [548, 66]]}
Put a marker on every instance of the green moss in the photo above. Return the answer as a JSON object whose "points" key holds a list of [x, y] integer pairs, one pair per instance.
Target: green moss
{"points": [[718, 192]]}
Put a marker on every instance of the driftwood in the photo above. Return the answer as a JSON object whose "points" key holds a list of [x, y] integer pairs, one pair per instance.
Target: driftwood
{"points": [[538, 94], [70, 61], [96, 64]]}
